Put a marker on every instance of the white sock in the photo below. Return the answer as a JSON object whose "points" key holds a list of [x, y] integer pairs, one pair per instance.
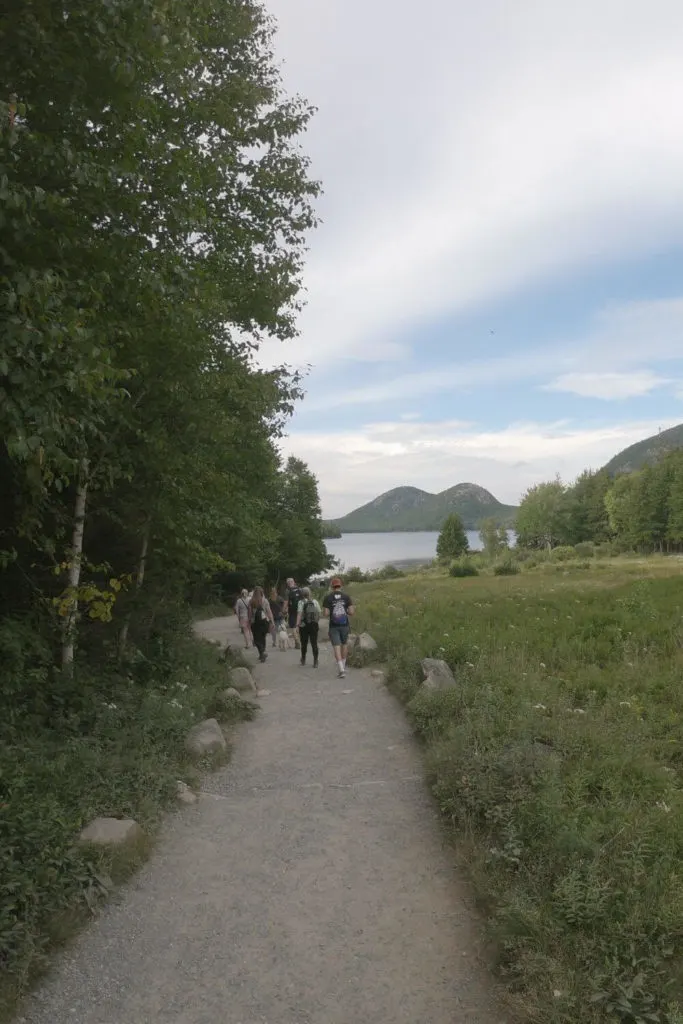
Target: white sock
{"points": [[343, 664]]}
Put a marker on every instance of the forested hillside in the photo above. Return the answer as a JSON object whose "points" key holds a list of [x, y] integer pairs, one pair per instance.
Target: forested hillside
{"points": [[640, 511], [154, 207]]}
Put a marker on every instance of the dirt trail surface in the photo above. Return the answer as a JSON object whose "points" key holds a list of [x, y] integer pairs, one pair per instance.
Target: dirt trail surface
{"points": [[309, 885]]}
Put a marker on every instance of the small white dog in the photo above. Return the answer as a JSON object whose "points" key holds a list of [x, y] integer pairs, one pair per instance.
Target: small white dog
{"points": [[283, 637]]}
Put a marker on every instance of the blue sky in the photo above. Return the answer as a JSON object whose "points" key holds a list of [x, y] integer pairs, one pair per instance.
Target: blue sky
{"points": [[495, 293]]}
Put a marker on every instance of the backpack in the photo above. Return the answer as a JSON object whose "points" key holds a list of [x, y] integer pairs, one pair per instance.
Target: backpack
{"points": [[311, 613], [260, 614], [338, 616]]}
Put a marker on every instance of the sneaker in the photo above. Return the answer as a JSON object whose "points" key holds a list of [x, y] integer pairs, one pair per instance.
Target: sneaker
{"points": [[262, 657], [303, 661], [315, 663]]}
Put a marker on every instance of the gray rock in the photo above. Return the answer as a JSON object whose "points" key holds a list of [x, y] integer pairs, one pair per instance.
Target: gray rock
{"points": [[438, 675], [378, 674], [205, 738], [231, 694], [111, 832], [352, 642], [366, 643], [184, 794], [242, 680]]}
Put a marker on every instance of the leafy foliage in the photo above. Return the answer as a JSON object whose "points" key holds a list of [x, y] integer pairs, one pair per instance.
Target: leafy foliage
{"points": [[154, 212], [452, 540]]}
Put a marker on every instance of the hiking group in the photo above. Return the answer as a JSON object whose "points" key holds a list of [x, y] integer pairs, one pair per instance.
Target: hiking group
{"points": [[297, 614]]}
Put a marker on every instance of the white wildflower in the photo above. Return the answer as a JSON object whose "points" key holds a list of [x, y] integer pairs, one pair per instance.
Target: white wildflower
{"points": [[539, 707], [469, 664], [664, 807], [112, 707], [542, 664], [175, 703], [578, 711], [624, 703]]}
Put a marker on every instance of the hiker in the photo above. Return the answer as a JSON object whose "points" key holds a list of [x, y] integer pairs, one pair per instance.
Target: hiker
{"points": [[307, 620], [338, 607], [277, 606], [243, 616], [261, 620], [293, 598]]}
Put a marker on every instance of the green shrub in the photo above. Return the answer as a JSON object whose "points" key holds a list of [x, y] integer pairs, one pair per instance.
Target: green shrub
{"points": [[584, 549], [507, 567], [463, 567], [562, 553]]}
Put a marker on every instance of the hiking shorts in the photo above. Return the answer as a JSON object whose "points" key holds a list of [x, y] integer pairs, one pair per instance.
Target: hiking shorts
{"points": [[339, 635]]}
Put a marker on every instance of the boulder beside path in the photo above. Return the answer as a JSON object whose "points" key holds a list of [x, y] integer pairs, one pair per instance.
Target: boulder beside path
{"points": [[438, 675], [205, 738]]}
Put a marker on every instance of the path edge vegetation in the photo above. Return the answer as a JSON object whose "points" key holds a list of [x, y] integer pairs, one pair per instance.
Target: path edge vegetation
{"points": [[555, 763]]}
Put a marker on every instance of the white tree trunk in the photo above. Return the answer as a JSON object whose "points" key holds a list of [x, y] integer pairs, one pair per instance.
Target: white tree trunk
{"points": [[139, 580], [69, 635]]}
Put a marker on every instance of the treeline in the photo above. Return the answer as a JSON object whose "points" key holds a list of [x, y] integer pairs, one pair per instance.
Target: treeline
{"points": [[639, 511], [154, 205]]}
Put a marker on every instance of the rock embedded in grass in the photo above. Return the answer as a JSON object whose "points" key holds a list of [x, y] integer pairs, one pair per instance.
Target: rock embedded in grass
{"points": [[242, 680], [205, 738], [184, 794], [366, 643], [438, 675], [111, 832]]}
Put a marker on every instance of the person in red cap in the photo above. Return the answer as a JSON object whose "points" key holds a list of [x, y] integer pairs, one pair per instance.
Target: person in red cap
{"points": [[338, 608]]}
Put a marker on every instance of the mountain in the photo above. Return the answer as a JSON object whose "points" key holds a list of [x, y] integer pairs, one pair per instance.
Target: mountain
{"points": [[407, 509], [648, 451]]}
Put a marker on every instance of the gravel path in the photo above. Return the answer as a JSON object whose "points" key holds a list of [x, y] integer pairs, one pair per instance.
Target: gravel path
{"points": [[309, 885]]}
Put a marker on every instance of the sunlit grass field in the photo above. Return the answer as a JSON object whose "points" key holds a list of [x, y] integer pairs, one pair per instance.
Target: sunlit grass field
{"points": [[557, 761]]}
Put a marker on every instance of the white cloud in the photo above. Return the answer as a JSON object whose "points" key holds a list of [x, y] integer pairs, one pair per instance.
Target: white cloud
{"points": [[608, 385], [353, 466], [474, 150]]}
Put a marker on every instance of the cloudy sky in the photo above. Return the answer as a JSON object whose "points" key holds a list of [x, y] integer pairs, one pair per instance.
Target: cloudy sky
{"points": [[495, 294]]}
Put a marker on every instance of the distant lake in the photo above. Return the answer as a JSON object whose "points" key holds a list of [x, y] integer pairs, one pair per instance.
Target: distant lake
{"points": [[373, 550]]}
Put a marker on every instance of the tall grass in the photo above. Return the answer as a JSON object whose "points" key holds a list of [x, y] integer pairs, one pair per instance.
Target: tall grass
{"points": [[558, 763]]}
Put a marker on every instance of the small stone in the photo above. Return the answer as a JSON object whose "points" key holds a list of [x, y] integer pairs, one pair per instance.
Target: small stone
{"points": [[377, 673], [184, 794], [242, 680], [111, 832], [366, 643], [438, 675], [231, 694], [263, 693], [205, 738]]}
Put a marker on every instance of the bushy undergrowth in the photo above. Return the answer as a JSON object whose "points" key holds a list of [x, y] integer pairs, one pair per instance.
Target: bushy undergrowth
{"points": [[105, 744], [558, 761]]}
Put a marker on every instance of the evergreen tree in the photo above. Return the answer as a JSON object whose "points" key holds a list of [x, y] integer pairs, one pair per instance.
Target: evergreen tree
{"points": [[452, 540]]}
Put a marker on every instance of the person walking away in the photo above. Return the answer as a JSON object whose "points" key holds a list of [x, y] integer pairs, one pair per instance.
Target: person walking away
{"points": [[293, 598], [277, 605], [243, 617], [338, 607], [308, 623], [261, 620]]}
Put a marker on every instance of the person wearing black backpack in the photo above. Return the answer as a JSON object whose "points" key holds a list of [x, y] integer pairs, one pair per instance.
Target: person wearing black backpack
{"points": [[261, 620], [338, 607], [293, 598], [308, 621]]}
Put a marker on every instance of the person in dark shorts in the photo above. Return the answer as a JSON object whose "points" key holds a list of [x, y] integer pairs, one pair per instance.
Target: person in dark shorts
{"points": [[293, 598], [338, 608]]}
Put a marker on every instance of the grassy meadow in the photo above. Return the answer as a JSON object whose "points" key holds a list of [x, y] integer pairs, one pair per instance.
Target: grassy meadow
{"points": [[557, 761]]}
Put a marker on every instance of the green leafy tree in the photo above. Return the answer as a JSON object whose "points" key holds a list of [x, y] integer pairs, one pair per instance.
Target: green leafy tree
{"points": [[452, 541], [492, 537], [541, 518]]}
